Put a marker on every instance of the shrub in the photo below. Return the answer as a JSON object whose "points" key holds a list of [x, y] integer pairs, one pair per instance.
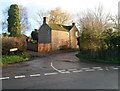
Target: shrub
{"points": [[34, 35], [13, 42], [102, 46]]}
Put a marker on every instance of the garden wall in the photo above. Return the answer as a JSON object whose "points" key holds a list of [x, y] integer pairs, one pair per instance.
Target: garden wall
{"points": [[32, 46]]}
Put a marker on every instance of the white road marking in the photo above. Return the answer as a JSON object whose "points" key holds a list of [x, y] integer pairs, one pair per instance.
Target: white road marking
{"points": [[72, 69], [90, 70], [55, 68], [2, 78], [22, 76], [115, 68], [106, 68], [50, 73], [78, 71], [35, 75], [65, 72], [62, 70], [96, 67], [100, 69], [85, 68]]}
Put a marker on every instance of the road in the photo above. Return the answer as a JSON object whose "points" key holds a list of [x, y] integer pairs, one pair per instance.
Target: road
{"points": [[60, 71]]}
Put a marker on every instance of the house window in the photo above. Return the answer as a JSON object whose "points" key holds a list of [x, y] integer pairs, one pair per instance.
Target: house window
{"points": [[76, 34]]}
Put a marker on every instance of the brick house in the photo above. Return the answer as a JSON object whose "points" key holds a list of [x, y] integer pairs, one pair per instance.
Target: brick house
{"points": [[54, 36]]}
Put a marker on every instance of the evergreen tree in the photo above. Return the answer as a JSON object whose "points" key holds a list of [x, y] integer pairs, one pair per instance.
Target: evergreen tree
{"points": [[34, 34], [14, 26]]}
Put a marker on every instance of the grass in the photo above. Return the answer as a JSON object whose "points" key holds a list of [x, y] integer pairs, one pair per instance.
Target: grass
{"points": [[8, 59], [112, 60]]}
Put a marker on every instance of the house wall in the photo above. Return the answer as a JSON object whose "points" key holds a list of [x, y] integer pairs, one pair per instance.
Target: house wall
{"points": [[60, 39], [44, 38], [44, 34], [73, 38], [44, 47], [49, 39]]}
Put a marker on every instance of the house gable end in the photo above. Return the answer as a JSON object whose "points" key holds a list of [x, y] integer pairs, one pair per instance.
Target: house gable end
{"points": [[44, 34]]}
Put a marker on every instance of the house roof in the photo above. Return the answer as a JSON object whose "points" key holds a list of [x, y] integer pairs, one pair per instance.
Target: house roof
{"points": [[60, 27]]}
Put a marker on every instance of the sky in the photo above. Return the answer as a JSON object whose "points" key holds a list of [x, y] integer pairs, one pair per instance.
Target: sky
{"points": [[71, 6]]}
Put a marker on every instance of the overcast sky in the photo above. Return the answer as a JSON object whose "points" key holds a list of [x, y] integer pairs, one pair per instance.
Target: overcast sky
{"points": [[71, 6]]}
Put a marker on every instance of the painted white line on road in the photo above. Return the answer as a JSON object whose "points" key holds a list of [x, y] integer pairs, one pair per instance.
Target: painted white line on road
{"points": [[96, 67], [115, 68], [72, 69], [35, 75], [90, 70], [50, 73], [3, 78], [22, 76], [100, 69], [106, 68], [65, 72], [78, 71], [55, 68], [85, 68], [62, 70]]}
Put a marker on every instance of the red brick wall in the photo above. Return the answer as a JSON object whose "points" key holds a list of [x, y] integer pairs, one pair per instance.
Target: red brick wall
{"points": [[44, 47]]}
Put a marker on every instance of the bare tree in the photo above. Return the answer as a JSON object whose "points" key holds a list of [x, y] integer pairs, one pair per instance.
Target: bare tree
{"points": [[57, 16], [4, 23], [25, 26], [40, 14], [96, 20]]}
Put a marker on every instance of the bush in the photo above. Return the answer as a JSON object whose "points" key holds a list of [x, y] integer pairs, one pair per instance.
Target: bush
{"points": [[104, 46], [34, 35], [13, 42]]}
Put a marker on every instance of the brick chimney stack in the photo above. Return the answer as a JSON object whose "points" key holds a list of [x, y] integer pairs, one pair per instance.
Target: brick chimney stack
{"points": [[73, 24], [45, 20]]}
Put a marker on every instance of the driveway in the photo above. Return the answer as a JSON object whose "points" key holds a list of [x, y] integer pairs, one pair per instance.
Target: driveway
{"points": [[60, 71]]}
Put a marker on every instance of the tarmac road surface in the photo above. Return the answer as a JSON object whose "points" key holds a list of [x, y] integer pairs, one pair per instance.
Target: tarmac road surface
{"points": [[60, 71]]}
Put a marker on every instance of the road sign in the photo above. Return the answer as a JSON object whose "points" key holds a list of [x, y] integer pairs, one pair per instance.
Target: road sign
{"points": [[13, 49]]}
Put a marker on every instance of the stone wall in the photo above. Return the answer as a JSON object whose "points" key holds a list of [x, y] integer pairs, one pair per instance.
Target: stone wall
{"points": [[60, 40]]}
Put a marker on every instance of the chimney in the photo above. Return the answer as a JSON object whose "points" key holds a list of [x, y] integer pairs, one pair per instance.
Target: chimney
{"points": [[45, 20], [73, 24]]}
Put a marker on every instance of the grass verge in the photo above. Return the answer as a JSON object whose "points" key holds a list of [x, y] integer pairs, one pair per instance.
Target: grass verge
{"points": [[112, 60], [8, 59]]}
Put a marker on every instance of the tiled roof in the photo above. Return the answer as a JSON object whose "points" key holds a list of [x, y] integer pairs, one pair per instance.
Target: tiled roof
{"points": [[60, 27]]}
